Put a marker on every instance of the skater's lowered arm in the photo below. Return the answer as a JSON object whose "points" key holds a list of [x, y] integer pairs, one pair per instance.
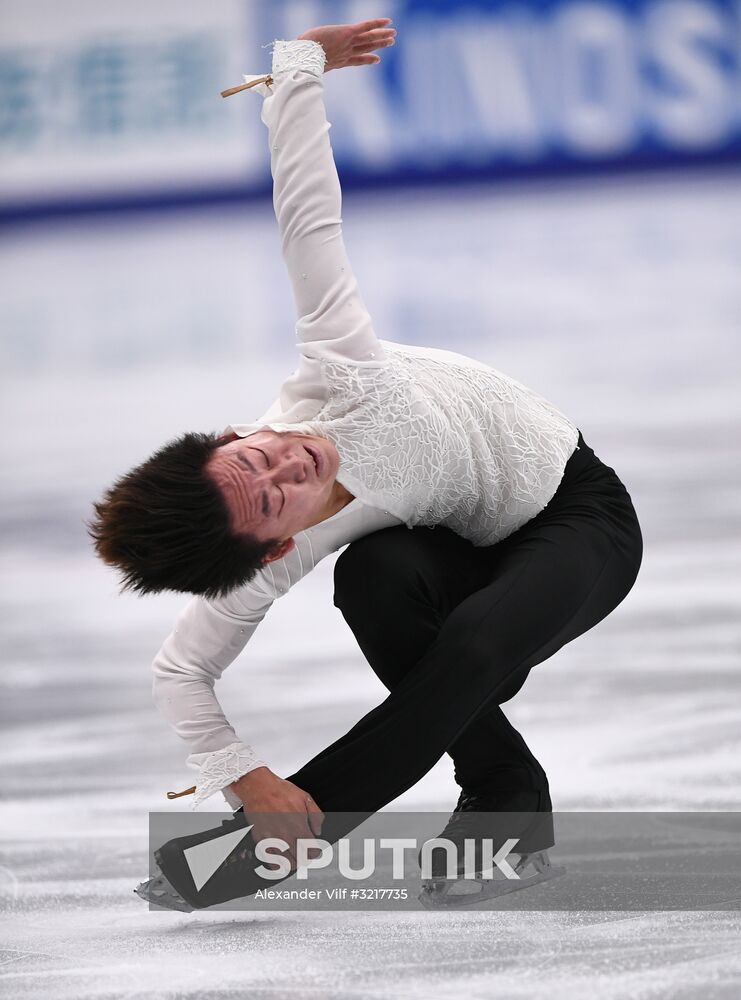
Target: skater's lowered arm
{"points": [[333, 322], [209, 635], [204, 641]]}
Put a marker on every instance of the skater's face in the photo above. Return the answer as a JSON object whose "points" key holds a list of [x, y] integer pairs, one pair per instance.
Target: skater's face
{"points": [[274, 486]]}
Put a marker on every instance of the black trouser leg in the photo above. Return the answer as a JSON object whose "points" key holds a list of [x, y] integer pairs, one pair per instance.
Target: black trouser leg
{"points": [[395, 588]]}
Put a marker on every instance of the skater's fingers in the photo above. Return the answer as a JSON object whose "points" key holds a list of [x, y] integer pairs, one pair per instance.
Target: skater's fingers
{"points": [[307, 833], [373, 38], [315, 816], [313, 852], [364, 61], [379, 22], [360, 49], [301, 833], [288, 836], [296, 829]]}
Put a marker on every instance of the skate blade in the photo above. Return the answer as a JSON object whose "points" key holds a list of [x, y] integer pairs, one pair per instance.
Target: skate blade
{"points": [[158, 891], [438, 895]]}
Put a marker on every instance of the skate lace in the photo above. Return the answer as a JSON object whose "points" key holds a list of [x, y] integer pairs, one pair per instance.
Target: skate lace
{"points": [[242, 857], [465, 815]]}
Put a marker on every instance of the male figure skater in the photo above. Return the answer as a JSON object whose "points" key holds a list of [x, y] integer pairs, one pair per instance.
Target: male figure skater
{"points": [[483, 532]]}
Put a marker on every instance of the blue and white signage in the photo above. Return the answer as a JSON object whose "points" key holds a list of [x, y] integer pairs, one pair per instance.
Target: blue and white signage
{"points": [[104, 104]]}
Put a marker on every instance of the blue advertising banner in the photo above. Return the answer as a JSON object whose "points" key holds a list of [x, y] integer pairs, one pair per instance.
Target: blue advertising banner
{"points": [[105, 108], [506, 87]]}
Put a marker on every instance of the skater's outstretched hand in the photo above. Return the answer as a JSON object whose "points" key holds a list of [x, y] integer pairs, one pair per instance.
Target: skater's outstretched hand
{"points": [[278, 808], [352, 44]]}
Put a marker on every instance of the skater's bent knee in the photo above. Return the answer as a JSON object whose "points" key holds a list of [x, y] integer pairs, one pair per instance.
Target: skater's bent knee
{"points": [[376, 563]]}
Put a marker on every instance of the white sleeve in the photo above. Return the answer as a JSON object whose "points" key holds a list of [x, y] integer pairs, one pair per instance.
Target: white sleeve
{"points": [[333, 322], [207, 637]]}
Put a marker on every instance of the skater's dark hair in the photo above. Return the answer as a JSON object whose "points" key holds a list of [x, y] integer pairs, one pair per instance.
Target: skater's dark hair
{"points": [[166, 526]]}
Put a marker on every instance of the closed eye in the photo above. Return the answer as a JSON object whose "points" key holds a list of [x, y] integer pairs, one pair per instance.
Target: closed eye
{"points": [[267, 462]]}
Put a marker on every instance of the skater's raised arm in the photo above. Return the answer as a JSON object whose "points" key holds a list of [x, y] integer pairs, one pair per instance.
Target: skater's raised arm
{"points": [[333, 321]]}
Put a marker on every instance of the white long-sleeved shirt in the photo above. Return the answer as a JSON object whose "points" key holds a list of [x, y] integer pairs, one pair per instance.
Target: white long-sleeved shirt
{"points": [[425, 436]]}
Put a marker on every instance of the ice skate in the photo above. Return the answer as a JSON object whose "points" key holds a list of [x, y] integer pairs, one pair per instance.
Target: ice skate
{"points": [[157, 890], [498, 816], [173, 886], [531, 869]]}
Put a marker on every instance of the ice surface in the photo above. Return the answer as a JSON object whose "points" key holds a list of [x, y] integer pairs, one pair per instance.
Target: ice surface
{"points": [[618, 300]]}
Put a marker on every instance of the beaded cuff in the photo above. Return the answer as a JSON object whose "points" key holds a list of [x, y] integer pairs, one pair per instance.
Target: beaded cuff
{"points": [[298, 54], [220, 768]]}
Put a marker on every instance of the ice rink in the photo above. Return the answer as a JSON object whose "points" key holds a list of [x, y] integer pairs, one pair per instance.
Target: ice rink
{"points": [[620, 301]]}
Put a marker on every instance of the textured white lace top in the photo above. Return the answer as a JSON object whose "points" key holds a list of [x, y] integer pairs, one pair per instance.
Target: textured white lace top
{"points": [[425, 436]]}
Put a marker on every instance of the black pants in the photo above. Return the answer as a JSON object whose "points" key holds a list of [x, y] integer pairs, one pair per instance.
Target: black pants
{"points": [[453, 630]]}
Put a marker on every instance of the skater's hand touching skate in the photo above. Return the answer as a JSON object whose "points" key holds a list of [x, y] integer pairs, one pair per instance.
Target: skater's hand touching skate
{"points": [[278, 808], [352, 44]]}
